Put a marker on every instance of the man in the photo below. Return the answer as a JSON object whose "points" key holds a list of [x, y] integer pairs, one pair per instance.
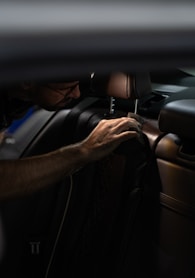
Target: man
{"points": [[23, 176]]}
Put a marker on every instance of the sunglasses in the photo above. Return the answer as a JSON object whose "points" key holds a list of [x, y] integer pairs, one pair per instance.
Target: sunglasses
{"points": [[64, 91]]}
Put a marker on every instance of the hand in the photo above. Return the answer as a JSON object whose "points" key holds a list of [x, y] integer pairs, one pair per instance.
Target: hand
{"points": [[108, 135]]}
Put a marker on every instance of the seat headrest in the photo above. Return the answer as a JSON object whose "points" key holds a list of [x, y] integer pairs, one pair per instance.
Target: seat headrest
{"points": [[178, 117], [122, 85], [132, 86]]}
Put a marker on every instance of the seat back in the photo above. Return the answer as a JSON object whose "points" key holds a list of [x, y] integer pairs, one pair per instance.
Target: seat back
{"points": [[175, 154], [104, 200]]}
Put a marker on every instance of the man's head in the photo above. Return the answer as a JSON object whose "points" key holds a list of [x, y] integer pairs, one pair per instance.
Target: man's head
{"points": [[51, 96]]}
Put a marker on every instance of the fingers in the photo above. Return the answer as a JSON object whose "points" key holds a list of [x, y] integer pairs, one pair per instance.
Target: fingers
{"points": [[109, 134], [123, 124], [126, 135], [128, 124]]}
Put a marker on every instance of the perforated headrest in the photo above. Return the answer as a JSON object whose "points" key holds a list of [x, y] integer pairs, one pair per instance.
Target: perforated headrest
{"points": [[178, 117]]}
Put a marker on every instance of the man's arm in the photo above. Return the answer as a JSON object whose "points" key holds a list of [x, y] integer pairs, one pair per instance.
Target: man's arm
{"points": [[27, 175]]}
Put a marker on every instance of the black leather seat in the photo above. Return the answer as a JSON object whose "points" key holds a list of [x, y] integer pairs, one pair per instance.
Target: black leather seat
{"points": [[86, 244]]}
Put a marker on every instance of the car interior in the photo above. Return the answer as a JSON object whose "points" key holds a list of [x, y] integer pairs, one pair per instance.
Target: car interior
{"points": [[131, 214]]}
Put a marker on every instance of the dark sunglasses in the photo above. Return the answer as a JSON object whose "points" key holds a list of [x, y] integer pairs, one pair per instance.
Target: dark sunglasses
{"points": [[66, 97]]}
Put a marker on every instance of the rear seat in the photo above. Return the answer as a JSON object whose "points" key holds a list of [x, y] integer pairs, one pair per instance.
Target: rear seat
{"points": [[175, 154]]}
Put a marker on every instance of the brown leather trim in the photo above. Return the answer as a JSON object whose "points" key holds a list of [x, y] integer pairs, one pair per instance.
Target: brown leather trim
{"points": [[177, 206]]}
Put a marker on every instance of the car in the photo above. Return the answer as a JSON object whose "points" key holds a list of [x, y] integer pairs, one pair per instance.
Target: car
{"points": [[131, 214]]}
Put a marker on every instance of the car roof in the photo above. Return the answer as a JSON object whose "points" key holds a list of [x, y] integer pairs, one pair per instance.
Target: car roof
{"points": [[42, 39]]}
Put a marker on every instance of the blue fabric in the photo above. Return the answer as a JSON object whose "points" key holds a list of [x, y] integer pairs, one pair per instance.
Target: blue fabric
{"points": [[16, 123]]}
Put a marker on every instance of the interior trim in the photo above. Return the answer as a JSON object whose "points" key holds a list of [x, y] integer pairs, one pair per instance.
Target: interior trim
{"points": [[177, 206]]}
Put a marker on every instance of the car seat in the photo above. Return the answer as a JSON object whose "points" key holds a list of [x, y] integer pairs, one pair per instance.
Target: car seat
{"points": [[176, 163], [66, 229]]}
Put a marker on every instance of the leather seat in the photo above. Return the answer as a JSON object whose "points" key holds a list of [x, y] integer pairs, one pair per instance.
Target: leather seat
{"points": [[175, 155]]}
